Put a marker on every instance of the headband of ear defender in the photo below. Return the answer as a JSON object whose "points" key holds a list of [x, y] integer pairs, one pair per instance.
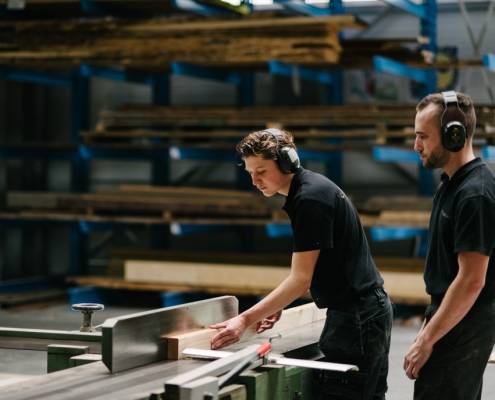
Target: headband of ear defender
{"points": [[452, 123], [287, 158]]}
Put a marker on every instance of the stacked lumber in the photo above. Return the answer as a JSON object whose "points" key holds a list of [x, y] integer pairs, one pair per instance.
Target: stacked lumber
{"points": [[163, 205], [359, 53], [156, 42], [167, 202], [380, 123], [403, 276], [377, 204], [239, 278]]}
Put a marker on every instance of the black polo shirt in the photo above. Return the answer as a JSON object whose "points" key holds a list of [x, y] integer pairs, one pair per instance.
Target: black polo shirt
{"points": [[462, 219], [323, 218]]}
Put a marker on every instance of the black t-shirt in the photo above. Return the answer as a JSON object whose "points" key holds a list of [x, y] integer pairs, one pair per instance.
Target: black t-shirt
{"points": [[462, 219], [323, 218]]}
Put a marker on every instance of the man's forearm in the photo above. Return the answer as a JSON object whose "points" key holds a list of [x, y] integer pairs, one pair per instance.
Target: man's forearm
{"points": [[289, 290], [456, 303]]}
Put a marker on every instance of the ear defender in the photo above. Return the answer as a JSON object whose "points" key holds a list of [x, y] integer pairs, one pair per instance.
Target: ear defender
{"points": [[287, 158], [452, 123]]}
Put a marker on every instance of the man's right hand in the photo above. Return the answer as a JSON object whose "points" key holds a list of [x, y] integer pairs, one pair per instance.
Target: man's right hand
{"points": [[230, 331], [268, 322]]}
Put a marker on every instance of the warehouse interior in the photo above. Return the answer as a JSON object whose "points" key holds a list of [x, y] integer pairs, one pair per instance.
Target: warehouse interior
{"points": [[120, 185]]}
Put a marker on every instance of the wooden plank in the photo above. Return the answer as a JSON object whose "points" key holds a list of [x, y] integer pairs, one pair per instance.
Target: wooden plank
{"points": [[418, 219], [203, 274], [403, 280], [188, 191], [194, 201], [132, 219], [299, 316], [214, 117], [119, 283], [388, 219], [400, 264], [406, 287], [199, 339], [396, 203]]}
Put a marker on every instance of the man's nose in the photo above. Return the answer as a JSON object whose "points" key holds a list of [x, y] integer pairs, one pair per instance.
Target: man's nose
{"points": [[417, 145]]}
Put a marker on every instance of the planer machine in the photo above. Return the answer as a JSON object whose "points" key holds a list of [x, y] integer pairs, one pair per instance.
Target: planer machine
{"points": [[129, 357]]}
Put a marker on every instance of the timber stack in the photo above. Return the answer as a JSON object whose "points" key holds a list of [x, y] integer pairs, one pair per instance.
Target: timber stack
{"points": [[165, 205], [378, 122], [156, 42], [168, 203]]}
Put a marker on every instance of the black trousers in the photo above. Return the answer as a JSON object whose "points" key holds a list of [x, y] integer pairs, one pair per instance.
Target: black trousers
{"points": [[455, 368], [360, 335]]}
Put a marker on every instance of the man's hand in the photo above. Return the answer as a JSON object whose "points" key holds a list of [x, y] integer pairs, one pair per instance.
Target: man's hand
{"points": [[268, 322], [230, 332], [416, 357]]}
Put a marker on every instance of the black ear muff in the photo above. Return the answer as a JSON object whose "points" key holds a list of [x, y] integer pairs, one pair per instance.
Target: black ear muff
{"points": [[287, 158], [452, 123]]}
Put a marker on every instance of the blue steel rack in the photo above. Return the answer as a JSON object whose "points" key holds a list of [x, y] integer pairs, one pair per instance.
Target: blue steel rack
{"points": [[244, 81], [80, 156], [427, 15], [489, 61]]}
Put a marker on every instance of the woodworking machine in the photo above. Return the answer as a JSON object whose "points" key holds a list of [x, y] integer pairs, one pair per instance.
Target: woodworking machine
{"points": [[126, 359]]}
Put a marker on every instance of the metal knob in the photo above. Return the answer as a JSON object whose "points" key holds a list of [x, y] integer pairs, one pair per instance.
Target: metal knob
{"points": [[87, 310]]}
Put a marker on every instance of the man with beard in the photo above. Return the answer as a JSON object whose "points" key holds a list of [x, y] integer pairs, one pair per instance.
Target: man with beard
{"points": [[450, 352], [331, 257]]}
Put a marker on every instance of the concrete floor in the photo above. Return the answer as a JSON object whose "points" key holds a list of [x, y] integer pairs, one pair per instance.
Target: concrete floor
{"points": [[21, 364]]}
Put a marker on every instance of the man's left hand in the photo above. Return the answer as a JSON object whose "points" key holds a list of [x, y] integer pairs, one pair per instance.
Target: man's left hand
{"points": [[416, 357], [268, 322]]}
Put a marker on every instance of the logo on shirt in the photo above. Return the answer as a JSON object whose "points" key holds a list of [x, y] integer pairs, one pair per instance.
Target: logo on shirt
{"points": [[444, 214]]}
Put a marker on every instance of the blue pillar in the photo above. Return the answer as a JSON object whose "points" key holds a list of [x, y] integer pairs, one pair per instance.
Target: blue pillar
{"points": [[245, 89], [428, 29], [160, 164], [80, 93]]}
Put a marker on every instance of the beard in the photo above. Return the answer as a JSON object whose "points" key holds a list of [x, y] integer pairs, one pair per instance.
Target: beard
{"points": [[438, 158]]}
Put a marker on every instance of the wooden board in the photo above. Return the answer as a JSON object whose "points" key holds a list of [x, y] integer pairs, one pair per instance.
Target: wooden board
{"points": [[406, 287], [403, 287], [404, 284], [299, 316], [199, 339], [119, 283], [216, 117], [203, 274], [166, 202]]}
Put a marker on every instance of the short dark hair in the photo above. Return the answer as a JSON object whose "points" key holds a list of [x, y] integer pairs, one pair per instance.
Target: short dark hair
{"points": [[265, 143], [465, 104]]}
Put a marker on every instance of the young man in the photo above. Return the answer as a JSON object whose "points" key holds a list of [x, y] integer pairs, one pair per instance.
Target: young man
{"points": [[330, 257], [452, 348]]}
